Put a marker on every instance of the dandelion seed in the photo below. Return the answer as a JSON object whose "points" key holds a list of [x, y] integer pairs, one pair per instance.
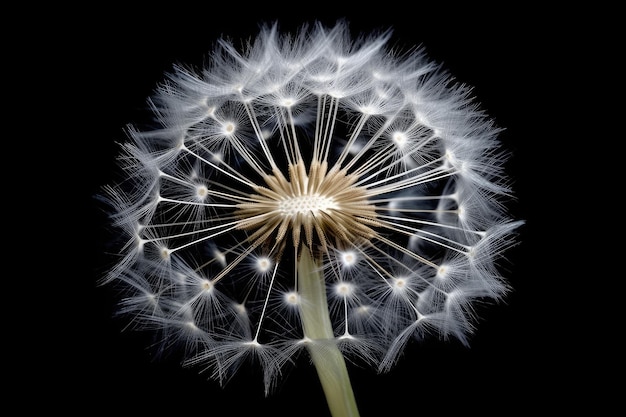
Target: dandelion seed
{"points": [[263, 264], [292, 298], [344, 289], [311, 193], [348, 258]]}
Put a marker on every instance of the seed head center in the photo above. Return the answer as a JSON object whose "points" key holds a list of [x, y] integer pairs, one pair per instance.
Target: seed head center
{"points": [[306, 205], [319, 207]]}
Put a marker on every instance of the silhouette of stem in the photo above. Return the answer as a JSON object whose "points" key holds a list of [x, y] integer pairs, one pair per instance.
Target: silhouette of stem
{"points": [[327, 359]]}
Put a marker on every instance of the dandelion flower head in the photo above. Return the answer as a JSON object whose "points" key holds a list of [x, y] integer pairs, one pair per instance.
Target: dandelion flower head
{"points": [[376, 169]]}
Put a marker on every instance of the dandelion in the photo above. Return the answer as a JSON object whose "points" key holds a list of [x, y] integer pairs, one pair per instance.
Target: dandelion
{"points": [[310, 193]]}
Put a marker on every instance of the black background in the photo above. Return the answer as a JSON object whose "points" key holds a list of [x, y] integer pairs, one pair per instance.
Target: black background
{"points": [[107, 61]]}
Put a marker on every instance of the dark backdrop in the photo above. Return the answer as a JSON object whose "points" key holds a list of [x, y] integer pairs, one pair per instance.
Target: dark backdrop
{"points": [[110, 60]]}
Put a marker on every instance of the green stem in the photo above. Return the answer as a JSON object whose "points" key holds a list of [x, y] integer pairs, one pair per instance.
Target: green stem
{"points": [[328, 360]]}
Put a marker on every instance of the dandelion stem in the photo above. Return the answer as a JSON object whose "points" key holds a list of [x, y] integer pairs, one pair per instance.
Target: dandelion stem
{"points": [[328, 360]]}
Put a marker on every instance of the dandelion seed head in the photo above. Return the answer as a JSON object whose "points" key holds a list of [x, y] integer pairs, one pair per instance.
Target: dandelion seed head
{"points": [[377, 166]]}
